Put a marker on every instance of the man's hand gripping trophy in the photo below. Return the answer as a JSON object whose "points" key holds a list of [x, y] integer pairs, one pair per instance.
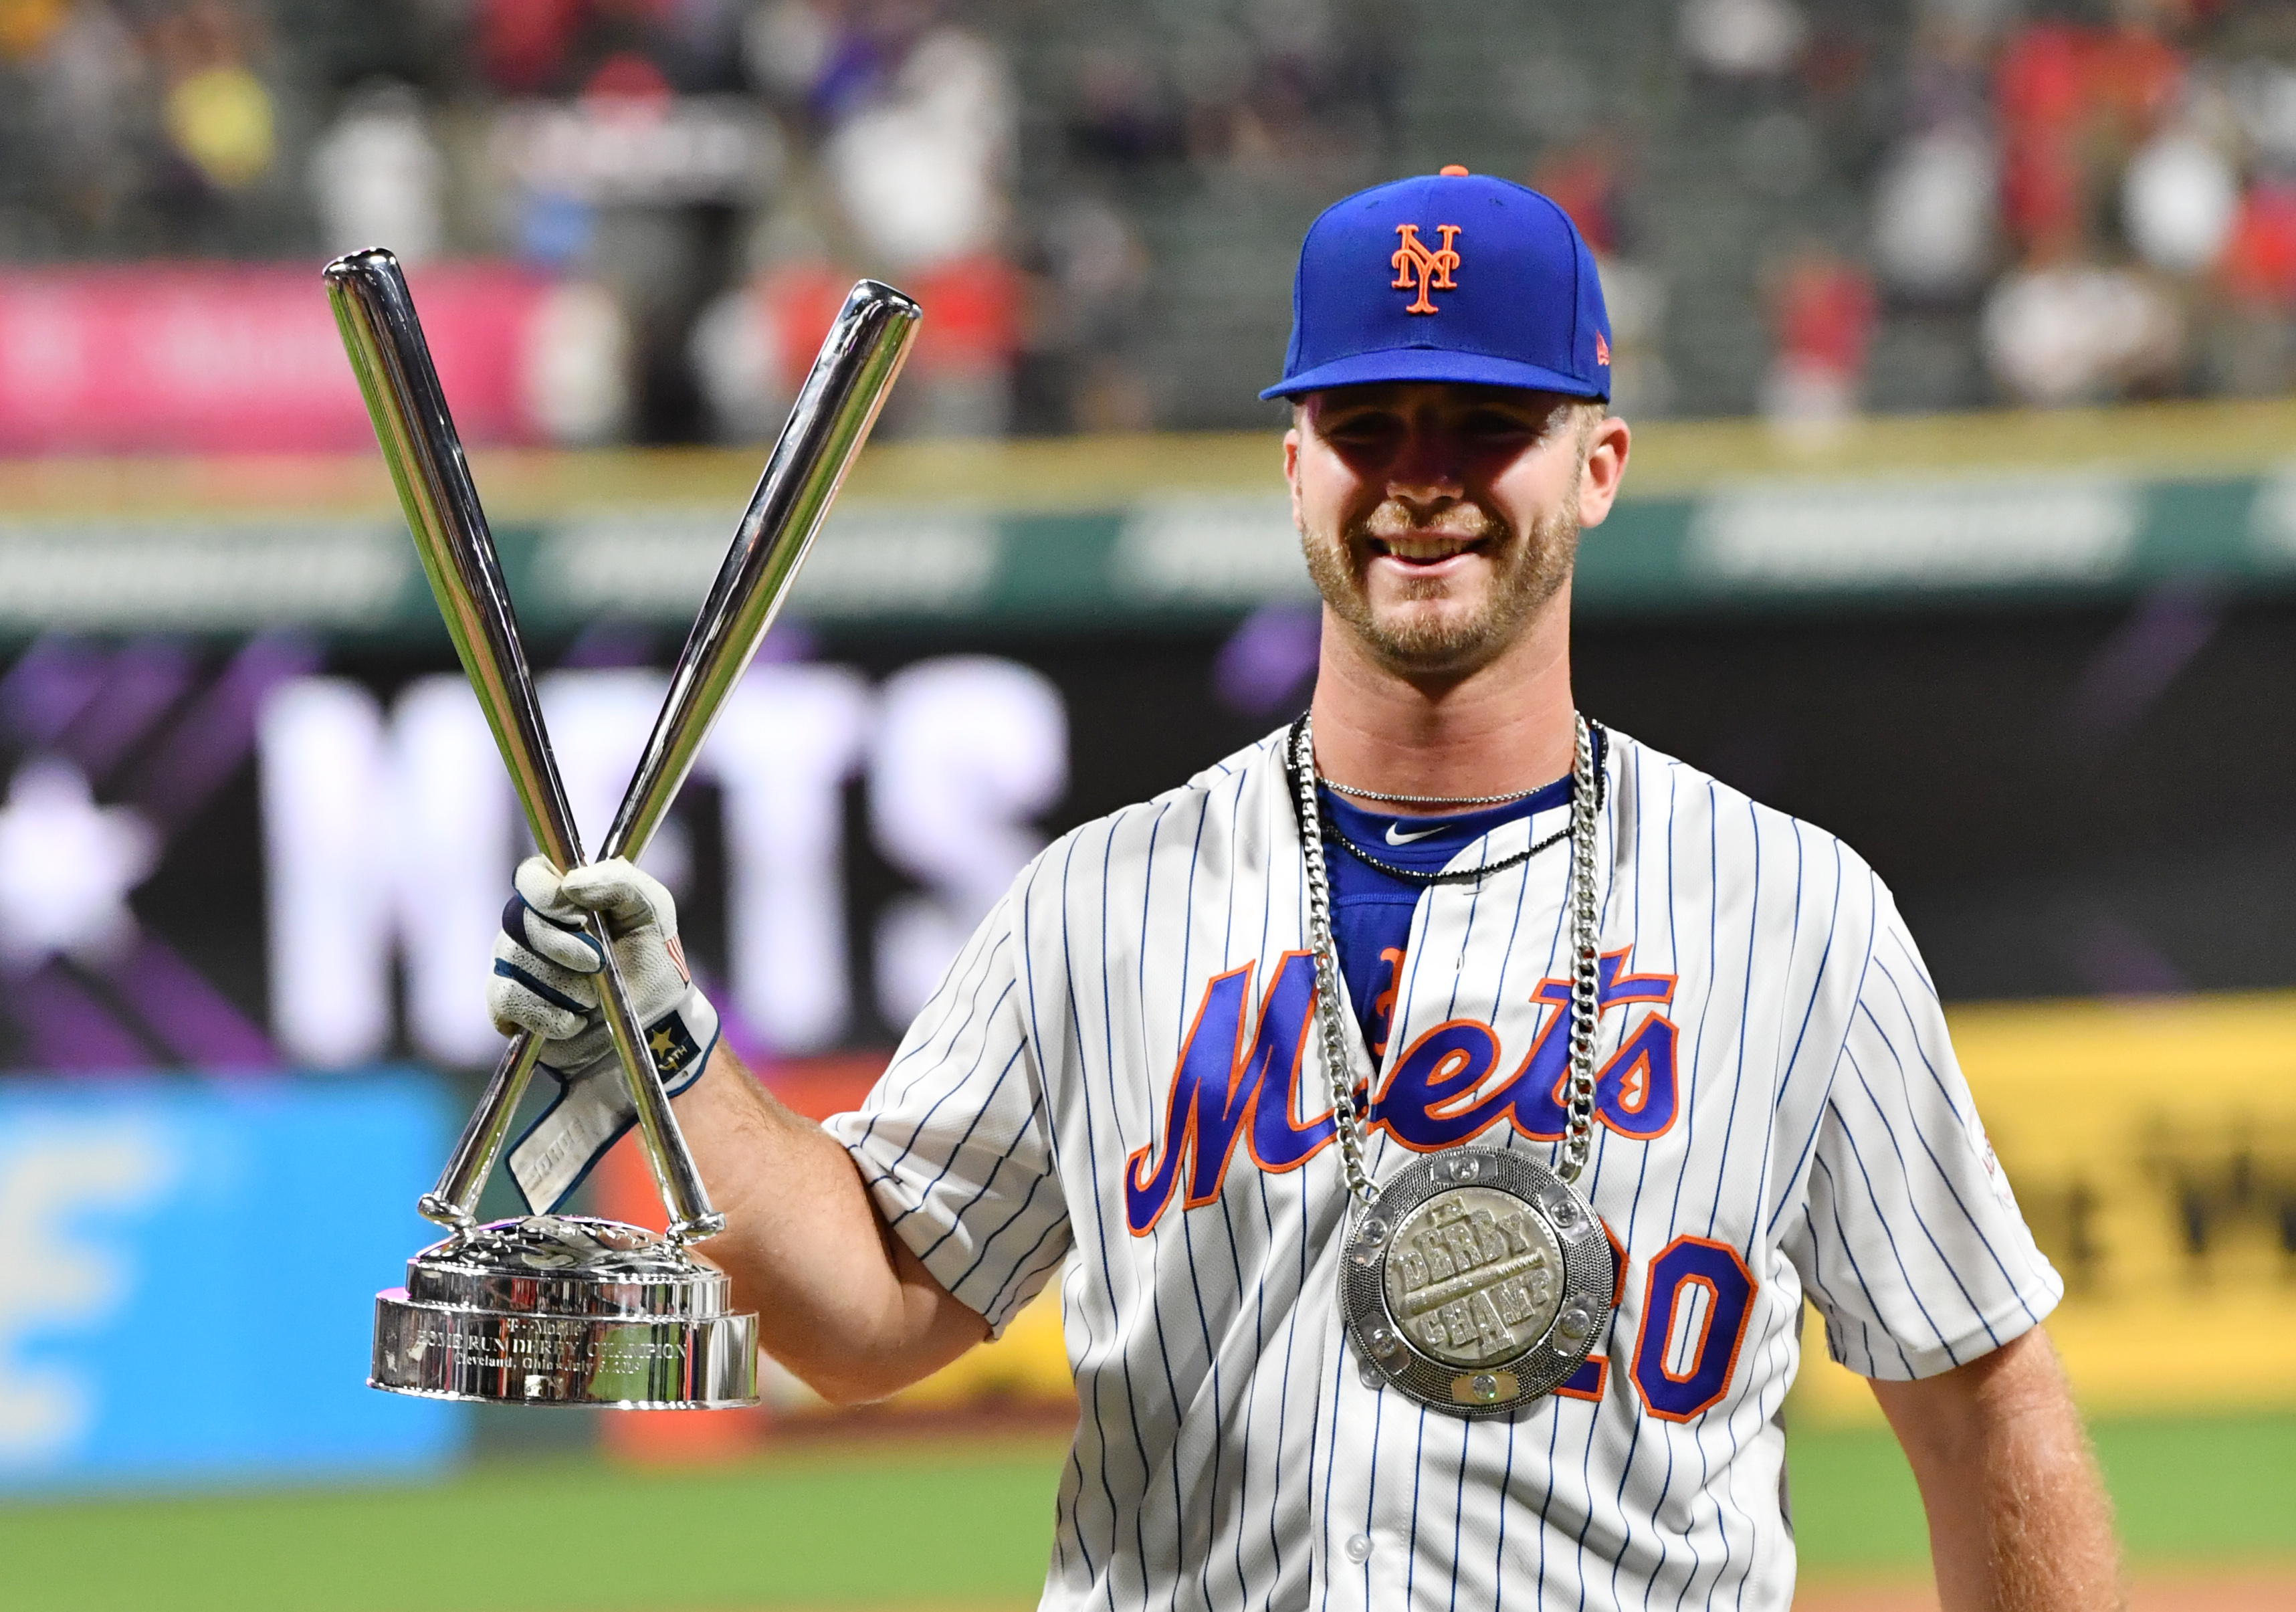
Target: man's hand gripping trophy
{"points": [[551, 1309], [548, 971]]}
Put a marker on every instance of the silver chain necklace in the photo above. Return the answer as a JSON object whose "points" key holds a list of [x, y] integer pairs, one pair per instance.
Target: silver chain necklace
{"points": [[1477, 1279]]}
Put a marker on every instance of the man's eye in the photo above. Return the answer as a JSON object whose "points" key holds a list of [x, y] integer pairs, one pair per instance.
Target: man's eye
{"points": [[1496, 424]]}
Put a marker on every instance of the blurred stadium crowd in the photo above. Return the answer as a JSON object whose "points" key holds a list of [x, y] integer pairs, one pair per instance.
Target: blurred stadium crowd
{"points": [[1807, 207]]}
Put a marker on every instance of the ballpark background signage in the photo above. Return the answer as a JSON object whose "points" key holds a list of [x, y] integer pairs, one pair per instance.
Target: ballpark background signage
{"points": [[192, 1266]]}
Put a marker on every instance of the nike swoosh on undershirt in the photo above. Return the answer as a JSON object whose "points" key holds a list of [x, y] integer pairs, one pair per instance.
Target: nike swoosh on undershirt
{"points": [[1394, 838]]}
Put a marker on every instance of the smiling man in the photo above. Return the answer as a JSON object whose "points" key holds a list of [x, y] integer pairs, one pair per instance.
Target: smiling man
{"points": [[1438, 1111]]}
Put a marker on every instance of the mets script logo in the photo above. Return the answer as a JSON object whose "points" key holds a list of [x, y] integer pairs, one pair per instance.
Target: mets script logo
{"points": [[1417, 267], [1236, 1084]]}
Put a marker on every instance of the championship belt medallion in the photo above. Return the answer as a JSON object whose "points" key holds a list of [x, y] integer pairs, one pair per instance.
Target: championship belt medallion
{"points": [[1478, 1282]]}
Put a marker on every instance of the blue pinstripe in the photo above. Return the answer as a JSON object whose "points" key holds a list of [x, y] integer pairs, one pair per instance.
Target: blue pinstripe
{"points": [[1674, 1214], [1930, 1066], [1506, 1470], [1913, 1206], [1092, 1154], [1856, 1272], [1890, 1235]]}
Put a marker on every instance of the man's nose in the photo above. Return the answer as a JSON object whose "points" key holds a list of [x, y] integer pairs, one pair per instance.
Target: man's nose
{"points": [[1426, 470]]}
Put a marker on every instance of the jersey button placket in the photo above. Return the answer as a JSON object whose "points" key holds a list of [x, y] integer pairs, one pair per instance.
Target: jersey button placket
{"points": [[1349, 1461]]}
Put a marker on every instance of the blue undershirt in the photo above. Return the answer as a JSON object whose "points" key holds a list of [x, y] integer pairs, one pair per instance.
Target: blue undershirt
{"points": [[1372, 910]]}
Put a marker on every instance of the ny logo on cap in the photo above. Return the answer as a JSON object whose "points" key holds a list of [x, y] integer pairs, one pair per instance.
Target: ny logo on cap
{"points": [[1414, 264]]}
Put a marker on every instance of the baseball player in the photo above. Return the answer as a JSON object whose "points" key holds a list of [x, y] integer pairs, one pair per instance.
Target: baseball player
{"points": [[1437, 1114]]}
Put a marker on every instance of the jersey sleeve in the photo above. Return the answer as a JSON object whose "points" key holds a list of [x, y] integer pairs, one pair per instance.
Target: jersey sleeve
{"points": [[1913, 1247], [953, 1141]]}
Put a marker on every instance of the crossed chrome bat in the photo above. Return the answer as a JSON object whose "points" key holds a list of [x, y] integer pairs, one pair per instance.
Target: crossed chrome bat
{"points": [[834, 410]]}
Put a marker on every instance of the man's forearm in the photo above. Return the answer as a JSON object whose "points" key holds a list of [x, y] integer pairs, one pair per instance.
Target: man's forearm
{"points": [[839, 1301], [2019, 1521]]}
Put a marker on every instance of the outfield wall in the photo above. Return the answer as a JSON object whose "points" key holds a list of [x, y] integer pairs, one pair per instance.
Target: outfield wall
{"points": [[2014, 508]]}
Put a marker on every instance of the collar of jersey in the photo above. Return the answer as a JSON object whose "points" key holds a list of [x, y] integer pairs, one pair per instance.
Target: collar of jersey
{"points": [[1439, 840]]}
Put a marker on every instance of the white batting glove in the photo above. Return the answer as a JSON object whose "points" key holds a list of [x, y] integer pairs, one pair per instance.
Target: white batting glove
{"points": [[545, 981]]}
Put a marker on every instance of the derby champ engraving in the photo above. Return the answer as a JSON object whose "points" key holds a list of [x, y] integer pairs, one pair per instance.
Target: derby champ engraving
{"points": [[1474, 1276]]}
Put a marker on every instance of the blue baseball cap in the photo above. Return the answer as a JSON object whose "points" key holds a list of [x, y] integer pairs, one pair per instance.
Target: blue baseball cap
{"points": [[1448, 276]]}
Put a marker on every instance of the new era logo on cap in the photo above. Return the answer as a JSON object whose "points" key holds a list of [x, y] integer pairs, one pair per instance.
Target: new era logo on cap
{"points": [[1450, 276]]}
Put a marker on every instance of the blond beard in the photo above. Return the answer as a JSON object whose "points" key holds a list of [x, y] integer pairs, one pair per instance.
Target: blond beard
{"points": [[1528, 571]]}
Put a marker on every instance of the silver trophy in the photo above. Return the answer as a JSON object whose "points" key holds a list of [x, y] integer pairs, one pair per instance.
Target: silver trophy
{"points": [[567, 1310]]}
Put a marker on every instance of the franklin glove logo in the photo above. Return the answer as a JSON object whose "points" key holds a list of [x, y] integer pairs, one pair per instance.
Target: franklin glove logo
{"points": [[1417, 267]]}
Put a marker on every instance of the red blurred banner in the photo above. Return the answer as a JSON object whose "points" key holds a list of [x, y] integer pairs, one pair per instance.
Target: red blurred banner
{"points": [[213, 357]]}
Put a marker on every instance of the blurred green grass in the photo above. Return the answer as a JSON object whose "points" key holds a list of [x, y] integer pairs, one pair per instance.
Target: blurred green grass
{"points": [[943, 1524], [2188, 1492], [884, 1525]]}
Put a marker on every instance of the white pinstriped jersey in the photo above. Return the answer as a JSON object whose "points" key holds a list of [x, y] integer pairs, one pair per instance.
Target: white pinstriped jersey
{"points": [[1120, 1068]]}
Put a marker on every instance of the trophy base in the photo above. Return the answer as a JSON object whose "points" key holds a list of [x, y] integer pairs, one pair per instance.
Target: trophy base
{"points": [[564, 1310]]}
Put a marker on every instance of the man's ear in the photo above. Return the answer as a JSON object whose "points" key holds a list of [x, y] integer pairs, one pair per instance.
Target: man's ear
{"points": [[1292, 465], [1602, 468]]}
